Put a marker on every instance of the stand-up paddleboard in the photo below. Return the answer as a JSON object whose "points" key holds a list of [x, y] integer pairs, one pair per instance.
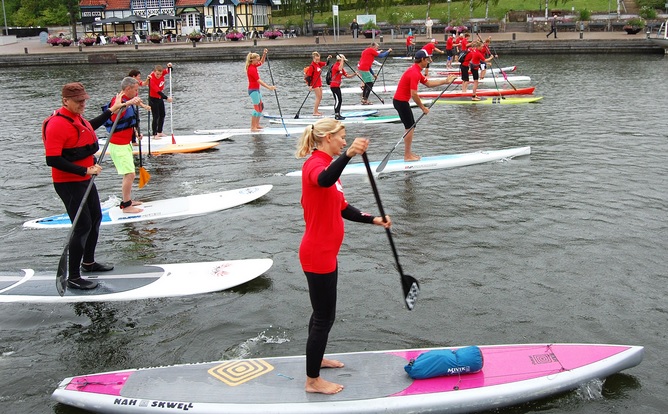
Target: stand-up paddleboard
{"points": [[496, 100], [230, 132], [491, 82], [433, 163], [446, 72], [161, 209], [135, 282], [349, 114], [374, 381], [377, 106], [166, 147], [457, 93], [377, 88], [347, 121]]}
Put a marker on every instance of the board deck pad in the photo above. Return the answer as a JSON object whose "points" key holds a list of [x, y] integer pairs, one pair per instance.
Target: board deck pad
{"points": [[160, 209], [374, 381], [134, 282]]}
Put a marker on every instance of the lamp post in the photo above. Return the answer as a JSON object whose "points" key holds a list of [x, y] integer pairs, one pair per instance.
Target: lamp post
{"points": [[448, 11], [5, 15]]}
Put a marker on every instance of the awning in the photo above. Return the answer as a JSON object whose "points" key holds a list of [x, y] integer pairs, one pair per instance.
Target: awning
{"points": [[132, 19], [158, 17], [109, 20]]}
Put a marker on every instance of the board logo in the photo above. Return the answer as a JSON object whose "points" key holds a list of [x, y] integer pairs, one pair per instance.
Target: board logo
{"points": [[543, 359], [234, 373]]}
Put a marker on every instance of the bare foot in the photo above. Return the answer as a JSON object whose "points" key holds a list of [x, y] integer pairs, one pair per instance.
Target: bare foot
{"points": [[331, 363], [130, 210], [319, 385], [256, 129], [156, 137], [412, 157], [317, 114]]}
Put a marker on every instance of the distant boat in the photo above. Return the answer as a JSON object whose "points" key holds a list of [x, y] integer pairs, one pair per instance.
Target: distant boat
{"points": [[661, 37]]}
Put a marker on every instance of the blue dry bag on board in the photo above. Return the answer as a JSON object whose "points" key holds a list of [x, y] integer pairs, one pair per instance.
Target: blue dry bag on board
{"points": [[443, 362]]}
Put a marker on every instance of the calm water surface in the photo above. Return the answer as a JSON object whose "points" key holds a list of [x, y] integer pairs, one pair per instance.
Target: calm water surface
{"points": [[567, 245]]}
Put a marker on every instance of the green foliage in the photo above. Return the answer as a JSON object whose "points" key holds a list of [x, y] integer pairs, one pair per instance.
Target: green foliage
{"points": [[394, 18], [652, 4], [635, 22], [584, 15], [647, 12]]}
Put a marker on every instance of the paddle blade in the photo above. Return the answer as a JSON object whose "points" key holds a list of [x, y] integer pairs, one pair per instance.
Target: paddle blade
{"points": [[173, 140], [411, 290], [144, 177], [61, 277]]}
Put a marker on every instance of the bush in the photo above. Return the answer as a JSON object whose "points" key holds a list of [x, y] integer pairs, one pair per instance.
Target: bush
{"points": [[585, 15], [647, 12]]}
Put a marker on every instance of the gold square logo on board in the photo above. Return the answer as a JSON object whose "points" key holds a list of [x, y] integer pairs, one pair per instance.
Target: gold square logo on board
{"points": [[237, 372]]}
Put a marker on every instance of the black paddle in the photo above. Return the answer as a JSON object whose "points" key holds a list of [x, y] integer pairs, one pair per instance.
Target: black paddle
{"points": [[381, 70], [498, 64], [148, 126], [383, 163], [358, 75], [492, 72], [61, 274], [277, 101], [409, 284], [300, 108]]}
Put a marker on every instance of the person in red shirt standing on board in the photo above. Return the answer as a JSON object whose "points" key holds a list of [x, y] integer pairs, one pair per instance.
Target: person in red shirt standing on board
{"points": [[430, 48], [407, 89], [476, 57], [325, 207], [70, 144], [364, 66], [315, 70], [156, 98], [120, 144], [253, 61], [338, 72], [449, 50]]}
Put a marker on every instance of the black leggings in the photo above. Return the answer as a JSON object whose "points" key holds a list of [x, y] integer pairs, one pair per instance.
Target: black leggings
{"points": [[368, 87], [336, 91], [158, 111], [322, 292], [84, 238]]}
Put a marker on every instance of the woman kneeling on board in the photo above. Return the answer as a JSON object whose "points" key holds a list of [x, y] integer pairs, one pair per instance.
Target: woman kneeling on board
{"points": [[325, 207]]}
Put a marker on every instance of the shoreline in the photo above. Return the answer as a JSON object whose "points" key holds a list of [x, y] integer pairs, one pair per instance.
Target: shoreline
{"points": [[30, 52]]}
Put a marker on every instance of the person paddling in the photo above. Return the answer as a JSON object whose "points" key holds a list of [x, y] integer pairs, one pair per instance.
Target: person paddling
{"points": [[254, 61], [325, 207]]}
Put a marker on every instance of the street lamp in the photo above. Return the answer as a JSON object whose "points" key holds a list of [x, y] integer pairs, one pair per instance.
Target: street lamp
{"points": [[448, 11], [5, 15]]}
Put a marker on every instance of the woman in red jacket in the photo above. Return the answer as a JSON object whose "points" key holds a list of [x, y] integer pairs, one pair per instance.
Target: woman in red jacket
{"points": [[315, 84], [338, 72], [325, 207]]}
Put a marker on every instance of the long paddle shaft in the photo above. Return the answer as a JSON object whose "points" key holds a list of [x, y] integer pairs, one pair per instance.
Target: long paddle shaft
{"points": [[61, 274], [498, 64], [492, 72], [383, 163], [379, 71], [148, 124], [171, 117], [277, 101], [409, 284], [144, 176], [300, 108], [358, 75]]}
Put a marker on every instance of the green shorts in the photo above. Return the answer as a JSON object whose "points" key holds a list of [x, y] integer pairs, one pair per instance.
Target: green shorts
{"points": [[367, 77], [122, 157]]}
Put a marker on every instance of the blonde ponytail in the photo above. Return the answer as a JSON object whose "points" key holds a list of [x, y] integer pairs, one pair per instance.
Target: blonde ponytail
{"points": [[314, 134]]}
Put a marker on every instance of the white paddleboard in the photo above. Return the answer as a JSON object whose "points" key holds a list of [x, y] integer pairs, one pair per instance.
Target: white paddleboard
{"points": [[347, 121], [377, 88], [349, 114], [135, 282], [246, 131], [161, 209], [379, 106], [436, 162], [374, 381]]}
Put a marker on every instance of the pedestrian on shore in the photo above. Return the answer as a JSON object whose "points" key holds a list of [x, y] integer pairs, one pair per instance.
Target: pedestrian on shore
{"points": [[364, 67], [325, 207], [553, 27], [120, 143], [70, 144], [338, 72], [354, 28], [410, 44], [407, 89], [156, 97], [315, 84], [428, 25], [254, 61]]}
